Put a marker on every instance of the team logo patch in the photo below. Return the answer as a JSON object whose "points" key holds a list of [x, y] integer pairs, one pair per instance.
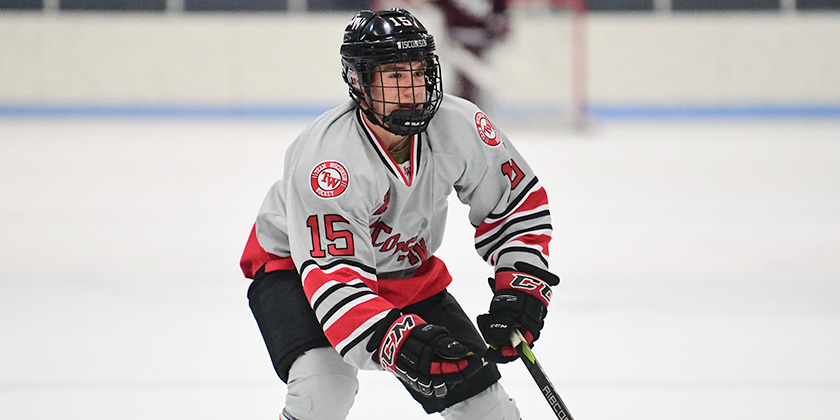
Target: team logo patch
{"points": [[485, 129], [329, 179]]}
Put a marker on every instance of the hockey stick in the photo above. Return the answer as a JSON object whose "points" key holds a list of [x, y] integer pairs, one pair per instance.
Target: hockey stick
{"points": [[537, 372]]}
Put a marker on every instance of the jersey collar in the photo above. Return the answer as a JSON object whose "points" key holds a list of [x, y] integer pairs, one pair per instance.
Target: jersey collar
{"points": [[408, 176]]}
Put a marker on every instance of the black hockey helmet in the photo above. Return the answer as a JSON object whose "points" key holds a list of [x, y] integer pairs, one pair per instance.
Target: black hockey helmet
{"points": [[373, 39]]}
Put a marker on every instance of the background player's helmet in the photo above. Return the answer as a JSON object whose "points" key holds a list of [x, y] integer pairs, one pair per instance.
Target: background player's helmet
{"points": [[372, 39]]}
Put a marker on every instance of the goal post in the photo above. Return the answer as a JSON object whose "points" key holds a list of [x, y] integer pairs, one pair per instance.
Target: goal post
{"points": [[579, 60], [550, 73]]}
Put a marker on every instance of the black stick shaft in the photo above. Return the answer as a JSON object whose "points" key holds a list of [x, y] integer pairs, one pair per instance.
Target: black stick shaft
{"points": [[546, 388]]}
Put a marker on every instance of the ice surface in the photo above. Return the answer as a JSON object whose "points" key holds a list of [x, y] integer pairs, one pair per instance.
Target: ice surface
{"points": [[700, 264]]}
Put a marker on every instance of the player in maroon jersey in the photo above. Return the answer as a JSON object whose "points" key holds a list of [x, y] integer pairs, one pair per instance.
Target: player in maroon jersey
{"points": [[474, 27]]}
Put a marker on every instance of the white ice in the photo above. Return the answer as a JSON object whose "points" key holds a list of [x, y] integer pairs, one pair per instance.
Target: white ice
{"points": [[700, 264]]}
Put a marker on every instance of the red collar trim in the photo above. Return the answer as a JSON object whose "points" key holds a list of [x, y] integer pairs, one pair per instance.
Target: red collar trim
{"points": [[394, 165]]}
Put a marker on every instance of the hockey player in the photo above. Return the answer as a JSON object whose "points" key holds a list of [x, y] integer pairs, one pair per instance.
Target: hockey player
{"points": [[342, 251], [474, 27]]}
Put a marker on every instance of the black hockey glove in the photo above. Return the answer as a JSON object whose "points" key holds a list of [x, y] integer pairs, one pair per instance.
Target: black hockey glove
{"points": [[422, 355], [520, 301]]}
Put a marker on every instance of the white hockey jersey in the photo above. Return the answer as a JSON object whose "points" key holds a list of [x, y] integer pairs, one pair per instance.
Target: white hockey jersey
{"points": [[362, 229]]}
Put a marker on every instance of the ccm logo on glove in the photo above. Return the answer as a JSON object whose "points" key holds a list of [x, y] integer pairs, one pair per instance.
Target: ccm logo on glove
{"points": [[520, 281], [394, 339]]}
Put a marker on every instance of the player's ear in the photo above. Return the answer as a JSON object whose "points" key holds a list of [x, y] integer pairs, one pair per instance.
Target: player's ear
{"points": [[353, 79]]}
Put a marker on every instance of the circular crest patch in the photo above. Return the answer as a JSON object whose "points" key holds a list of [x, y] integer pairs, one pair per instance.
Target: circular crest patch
{"points": [[329, 179], [485, 129]]}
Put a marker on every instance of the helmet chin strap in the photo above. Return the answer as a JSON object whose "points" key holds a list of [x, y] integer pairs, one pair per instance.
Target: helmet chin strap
{"points": [[402, 122]]}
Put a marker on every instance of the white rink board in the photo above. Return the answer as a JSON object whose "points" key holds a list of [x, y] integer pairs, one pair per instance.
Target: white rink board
{"points": [[699, 265], [633, 60]]}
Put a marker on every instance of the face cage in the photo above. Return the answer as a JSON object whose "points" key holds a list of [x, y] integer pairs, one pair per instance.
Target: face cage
{"points": [[409, 117]]}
